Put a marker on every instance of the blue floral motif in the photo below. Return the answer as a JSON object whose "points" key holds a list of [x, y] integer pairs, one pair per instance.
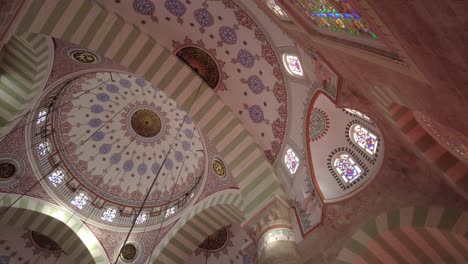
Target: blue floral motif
{"points": [[255, 84], [144, 7], [96, 109], [203, 17], [245, 58], [175, 7], [256, 114], [228, 35]]}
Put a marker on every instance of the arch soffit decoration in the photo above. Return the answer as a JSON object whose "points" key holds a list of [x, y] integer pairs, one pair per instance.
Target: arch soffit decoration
{"points": [[221, 209], [250, 168], [67, 230], [363, 243]]}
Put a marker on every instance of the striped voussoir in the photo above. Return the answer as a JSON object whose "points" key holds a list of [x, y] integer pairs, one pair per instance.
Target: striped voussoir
{"points": [[222, 209], [88, 25], [410, 235], [24, 69], [66, 229], [455, 170]]}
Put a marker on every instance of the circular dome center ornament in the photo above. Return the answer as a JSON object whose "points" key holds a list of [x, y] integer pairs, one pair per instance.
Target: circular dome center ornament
{"points": [[7, 170], [129, 252], [83, 56], [146, 123]]}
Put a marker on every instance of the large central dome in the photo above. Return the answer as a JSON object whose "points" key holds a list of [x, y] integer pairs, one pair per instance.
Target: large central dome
{"points": [[114, 133]]}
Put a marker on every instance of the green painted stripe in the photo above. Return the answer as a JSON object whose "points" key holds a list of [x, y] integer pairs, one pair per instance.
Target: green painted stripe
{"points": [[446, 161], [390, 250], [13, 94], [228, 128], [18, 213], [362, 251], [212, 100], [84, 252], [449, 218], [55, 16], [33, 217], [7, 107], [227, 218], [183, 85], [420, 216], [180, 246], [249, 169], [17, 45], [214, 219], [194, 96], [3, 121], [456, 244], [172, 256], [265, 175], [77, 20], [188, 236], [13, 57], [370, 228], [128, 43], [425, 142], [393, 219], [402, 111], [242, 156], [170, 75], [14, 79], [110, 36], [234, 143], [435, 245], [410, 125], [216, 119], [269, 191], [157, 64], [412, 247], [18, 71], [234, 217], [30, 15], [202, 221], [93, 29], [192, 225], [142, 54]]}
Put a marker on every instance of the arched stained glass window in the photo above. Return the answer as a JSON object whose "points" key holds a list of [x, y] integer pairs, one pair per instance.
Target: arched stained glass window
{"points": [[346, 167], [276, 9], [56, 177], [359, 114], [363, 138], [291, 161], [336, 15], [293, 65], [141, 218], [170, 211]]}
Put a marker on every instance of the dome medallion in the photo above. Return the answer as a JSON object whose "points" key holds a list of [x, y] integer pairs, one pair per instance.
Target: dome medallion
{"points": [[114, 134]]}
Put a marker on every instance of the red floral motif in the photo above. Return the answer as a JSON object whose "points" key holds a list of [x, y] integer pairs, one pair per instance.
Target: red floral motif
{"points": [[269, 155], [279, 128], [283, 111], [259, 35], [280, 92], [276, 147], [229, 3], [268, 54], [278, 73], [244, 19]]}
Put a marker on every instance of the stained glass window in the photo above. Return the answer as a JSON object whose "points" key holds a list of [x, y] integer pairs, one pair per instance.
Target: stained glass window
{"points": [[293, 65], [80, 200], [346, 167], [43, 148], [56, 177], [170, 211], [141, 218], [364, 139], [335, 15], [276, 9], [41, 117], [109, 214], [359, 114], [291, 161]]}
